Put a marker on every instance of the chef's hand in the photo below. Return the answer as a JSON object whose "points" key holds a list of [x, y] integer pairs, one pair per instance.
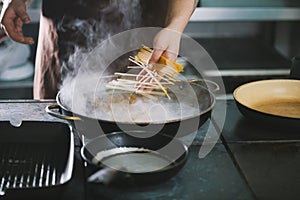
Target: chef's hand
{"points": [[166, 43], [12, 18]]}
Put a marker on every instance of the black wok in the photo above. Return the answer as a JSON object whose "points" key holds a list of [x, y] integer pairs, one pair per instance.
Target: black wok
{"points": [[149, 163], [175, 128]]}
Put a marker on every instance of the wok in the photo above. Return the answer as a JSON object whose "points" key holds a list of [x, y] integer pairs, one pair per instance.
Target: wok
{"points": [[205, 101], [273, 102], [126, 160]]}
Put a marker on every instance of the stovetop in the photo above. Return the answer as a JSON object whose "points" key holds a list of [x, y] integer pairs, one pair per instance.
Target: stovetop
{"points": [[247, 162]]}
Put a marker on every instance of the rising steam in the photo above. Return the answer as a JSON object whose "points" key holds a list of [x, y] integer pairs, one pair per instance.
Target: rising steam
{"points": [[115, 17]]}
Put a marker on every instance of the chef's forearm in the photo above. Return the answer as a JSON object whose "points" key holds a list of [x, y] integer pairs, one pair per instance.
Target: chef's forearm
{"points": [[179, 13]]}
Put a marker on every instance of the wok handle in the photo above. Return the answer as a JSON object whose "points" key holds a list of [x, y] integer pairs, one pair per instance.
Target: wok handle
{"points": [[50, 110], [295, 70], [217, 87]]}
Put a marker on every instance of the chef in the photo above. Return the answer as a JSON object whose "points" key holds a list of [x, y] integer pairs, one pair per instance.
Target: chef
{"points": [[60, 30]]}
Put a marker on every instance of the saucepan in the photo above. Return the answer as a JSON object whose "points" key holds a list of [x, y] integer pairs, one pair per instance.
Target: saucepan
{"points": [[193, 95], [274, 102], [121, 159]]}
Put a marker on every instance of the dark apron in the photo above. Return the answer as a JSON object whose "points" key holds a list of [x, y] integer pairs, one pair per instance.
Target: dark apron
{"points": [[63, 27]]}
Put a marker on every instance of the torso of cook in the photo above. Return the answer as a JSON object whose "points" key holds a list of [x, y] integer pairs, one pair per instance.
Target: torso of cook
{"points": [[66, 25]]}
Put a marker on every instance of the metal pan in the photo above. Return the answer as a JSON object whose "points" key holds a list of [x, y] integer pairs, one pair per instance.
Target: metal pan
{"points": [[272, 102], [205, 101], [276, 102], [121, 159]]}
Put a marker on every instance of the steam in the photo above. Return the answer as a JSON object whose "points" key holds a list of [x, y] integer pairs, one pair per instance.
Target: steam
{"points": [[113, 18]]}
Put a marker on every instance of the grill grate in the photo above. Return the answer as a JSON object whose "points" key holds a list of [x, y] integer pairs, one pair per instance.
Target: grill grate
{"points": [[28, 166]]}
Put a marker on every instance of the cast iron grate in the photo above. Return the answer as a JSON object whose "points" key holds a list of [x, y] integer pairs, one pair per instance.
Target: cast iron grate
{"points": [[29, 166]]}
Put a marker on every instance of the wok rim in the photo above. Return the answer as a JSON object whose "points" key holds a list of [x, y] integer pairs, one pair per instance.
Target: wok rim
{"points": [[257, 83], [207, 110]]}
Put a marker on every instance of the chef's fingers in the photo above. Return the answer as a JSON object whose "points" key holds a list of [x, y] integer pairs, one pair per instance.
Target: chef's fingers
{"points": [[23, 18], [21, 12], [170, 55], [157, 53], [12, 22], [12, 31], [19, 25]]}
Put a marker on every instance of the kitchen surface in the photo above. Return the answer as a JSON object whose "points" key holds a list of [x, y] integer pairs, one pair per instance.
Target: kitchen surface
{"points": [[249, 161], [231, 156]]}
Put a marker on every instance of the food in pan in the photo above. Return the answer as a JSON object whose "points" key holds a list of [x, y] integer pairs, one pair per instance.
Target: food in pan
{"points": [[119, 107], [147, 80], [126, 106]]}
